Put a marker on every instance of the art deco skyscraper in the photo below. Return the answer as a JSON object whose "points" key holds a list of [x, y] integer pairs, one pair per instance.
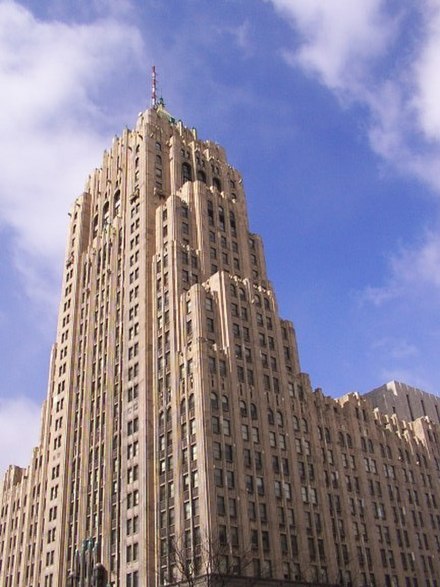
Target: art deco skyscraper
{"points": [[179, 437]]}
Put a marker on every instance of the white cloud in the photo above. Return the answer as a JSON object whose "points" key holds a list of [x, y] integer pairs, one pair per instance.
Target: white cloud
{"points": [[386, 59], [52, 130], [426, 73], [19, 431], [389, 63], [414, 272], [396, 348], [338, 38], [420, 266], [242, 36]]}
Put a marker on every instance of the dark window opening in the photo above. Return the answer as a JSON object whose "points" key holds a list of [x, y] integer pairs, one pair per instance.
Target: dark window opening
{"points": [[186, 172], [217, 184], [201, 176]]}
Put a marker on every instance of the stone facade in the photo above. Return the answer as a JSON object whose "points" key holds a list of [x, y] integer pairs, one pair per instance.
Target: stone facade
{"points": [[408, 403], [180, 438]]}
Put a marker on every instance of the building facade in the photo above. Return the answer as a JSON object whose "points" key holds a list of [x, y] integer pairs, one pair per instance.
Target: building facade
{"points": [[179, 437]]}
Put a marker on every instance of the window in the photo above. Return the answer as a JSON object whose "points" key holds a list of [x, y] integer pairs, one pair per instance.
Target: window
{"points": [[214, 401], [272, 439], [132, 426], [218, 477], [221, 509], [186, 172], [133, 579], [265, 540], [132, 474], [201, 176], [216, 425], [255, 435], [216, 183], [226, 425], [228, 453], [212, 365], [217, 450]]}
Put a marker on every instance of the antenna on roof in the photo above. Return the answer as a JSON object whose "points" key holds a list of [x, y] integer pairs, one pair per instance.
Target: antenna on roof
{"points": [[153, 87]]}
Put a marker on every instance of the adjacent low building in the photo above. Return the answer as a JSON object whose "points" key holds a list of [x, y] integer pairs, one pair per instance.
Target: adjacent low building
{"points": [[407, 402]]}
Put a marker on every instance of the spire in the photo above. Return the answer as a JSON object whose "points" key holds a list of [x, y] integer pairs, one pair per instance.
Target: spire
{"points": [[153, 87]]}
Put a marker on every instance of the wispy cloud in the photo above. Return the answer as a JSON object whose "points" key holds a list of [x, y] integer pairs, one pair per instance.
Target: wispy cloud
{"points": [[338, 41], [385, 57], [413, 272], [396, 348], [52, 129], [356, 50], [19, 431]]}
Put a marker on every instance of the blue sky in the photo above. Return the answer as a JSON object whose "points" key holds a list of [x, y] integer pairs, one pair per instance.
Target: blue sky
{"points": [[331, 111]]}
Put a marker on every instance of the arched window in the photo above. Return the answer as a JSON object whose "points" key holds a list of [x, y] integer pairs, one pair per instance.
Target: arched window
{"points": [[183, 407], [105, 214], [95, 225], [214, 401], [232, 223], [221, 217], [217, 184], [233, 290], [266, 304], [186, 172], [349, 441], [201, 176], [270, 417], [225, 403], [341, 438], [280, 419], [305, 426], [257, 300], [116, 202], [243, 408], [161, 419], [210, 213], [191, 402], [253, 411], [242, 293]]}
